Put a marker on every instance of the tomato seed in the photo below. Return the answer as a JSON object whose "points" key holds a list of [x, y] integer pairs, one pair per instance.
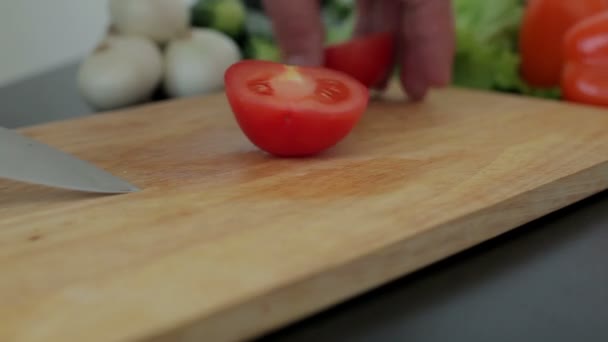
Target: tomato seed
{"points": [[331, 91], [260, 87]]}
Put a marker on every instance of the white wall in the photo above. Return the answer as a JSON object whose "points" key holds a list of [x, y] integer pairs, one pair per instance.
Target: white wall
{"points": [[36, 35], [39, 34]]}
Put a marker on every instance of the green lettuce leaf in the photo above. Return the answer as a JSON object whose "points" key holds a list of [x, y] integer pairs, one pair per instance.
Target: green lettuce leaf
{"points": [[487, 54]]}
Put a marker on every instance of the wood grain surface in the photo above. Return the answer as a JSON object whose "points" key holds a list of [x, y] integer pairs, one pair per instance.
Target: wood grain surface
{"points": [[226, 243]]}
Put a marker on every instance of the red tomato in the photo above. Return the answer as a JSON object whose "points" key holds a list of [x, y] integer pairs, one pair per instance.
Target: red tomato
{"points": [[587, 41], [585, 77], [293, 111], [368, 59], [586, 84], [543, 28]]}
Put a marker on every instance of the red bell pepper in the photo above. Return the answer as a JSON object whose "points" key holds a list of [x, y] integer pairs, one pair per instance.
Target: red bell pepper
{"points": [[585, 51]]}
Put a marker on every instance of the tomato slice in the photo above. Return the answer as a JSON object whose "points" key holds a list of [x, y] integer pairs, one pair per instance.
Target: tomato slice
{"points": [[292, 111], [544, 25], [587, 41], [369, 58], [585, 84], [585, 77]]}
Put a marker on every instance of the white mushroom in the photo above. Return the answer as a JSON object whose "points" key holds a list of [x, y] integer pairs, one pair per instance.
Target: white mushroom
{"points": [[159, 20], [195, 63], [121, 71]]}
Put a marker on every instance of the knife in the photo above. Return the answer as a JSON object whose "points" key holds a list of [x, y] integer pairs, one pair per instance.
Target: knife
{"points": [[27, 160]]}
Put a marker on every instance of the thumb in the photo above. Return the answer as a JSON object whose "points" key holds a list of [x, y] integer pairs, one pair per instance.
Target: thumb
{"points": [[298, 30]]}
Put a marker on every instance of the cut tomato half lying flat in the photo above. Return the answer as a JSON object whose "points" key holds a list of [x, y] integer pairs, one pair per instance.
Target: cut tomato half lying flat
{"points": [[291, 110], [369, 58]]}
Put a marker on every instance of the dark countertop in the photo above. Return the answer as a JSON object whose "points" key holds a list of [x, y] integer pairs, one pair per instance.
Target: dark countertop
{"points": [[545, 281]]}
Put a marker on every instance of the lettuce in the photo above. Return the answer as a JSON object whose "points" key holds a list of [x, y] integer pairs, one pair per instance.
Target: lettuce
{"points": [[487, 54]]}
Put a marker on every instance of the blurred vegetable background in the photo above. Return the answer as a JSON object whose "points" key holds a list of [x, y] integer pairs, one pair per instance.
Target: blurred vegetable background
{"points": [[487, 55], [198, 42]]}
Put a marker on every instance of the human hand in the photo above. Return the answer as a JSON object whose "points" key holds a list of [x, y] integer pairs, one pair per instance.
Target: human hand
{"points": [[425, 31]]}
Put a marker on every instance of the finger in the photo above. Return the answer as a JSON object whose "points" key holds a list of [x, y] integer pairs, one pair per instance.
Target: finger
{"points": [[387, 17], [379, 16], [299, 30], [363, 24], [428, 45]]}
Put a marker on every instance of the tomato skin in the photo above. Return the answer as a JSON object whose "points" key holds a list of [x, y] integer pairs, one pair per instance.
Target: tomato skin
{"points": [[289, 127], [587, 41], [368, 58], [585, 84], [585, 49], [544, 26]]}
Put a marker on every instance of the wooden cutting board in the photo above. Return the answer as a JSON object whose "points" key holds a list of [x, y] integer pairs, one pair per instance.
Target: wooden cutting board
{"points": [[227, 243]]}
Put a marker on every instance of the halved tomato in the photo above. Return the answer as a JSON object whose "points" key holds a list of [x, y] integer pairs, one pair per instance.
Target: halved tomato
{"points": [[292, 111], [369, 58]]}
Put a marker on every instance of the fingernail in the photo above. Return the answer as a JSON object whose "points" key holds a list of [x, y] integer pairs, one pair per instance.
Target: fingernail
{"points": [[415, 88], [439, 78]]}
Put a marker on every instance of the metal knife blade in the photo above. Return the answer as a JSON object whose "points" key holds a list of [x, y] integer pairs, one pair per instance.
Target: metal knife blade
{"points": [[27, 160]]}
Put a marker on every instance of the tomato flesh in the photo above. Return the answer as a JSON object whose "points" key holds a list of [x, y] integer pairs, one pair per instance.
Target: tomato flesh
{"points": [[585, 84], [543, 28], [585, 77], [587, 41], [368, 58], [292, 111]]}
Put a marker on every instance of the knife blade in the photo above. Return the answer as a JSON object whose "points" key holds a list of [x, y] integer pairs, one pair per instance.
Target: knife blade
{"points": [[31, 161]]}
